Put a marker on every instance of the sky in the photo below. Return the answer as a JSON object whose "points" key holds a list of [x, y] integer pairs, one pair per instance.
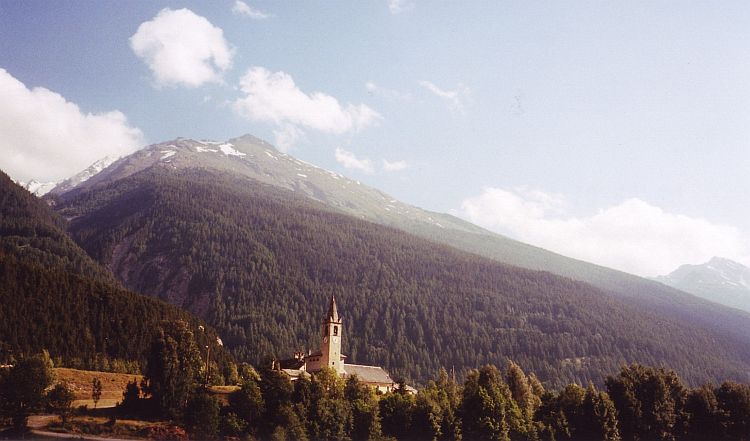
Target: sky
{"points": [[614, 132]]}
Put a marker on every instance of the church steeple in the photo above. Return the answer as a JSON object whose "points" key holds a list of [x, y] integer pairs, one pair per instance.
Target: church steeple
{"points": [[333, 313], [330, 348]]}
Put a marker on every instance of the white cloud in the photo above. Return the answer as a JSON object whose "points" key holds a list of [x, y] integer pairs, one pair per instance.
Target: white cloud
{"points": [[399, 6], [632, 236], [45, 137], [350, 161], [391, 94], [182, 48], [272, 97], [242, 8], [455, 98], [394, 166]]}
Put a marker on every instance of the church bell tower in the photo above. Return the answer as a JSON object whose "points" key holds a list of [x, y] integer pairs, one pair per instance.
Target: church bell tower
{"points": [[331, 344]]}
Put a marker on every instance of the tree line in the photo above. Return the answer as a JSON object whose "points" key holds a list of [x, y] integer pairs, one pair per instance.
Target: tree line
{"points": [[638, 403]]}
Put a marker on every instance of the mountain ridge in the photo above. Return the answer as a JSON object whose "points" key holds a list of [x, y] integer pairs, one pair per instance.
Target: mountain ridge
{"points": [[259, 262], [719, 280], [252, 157]]}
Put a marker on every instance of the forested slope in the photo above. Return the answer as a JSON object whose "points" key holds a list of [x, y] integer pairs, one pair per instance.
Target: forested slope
{"points": [[54, 296], [259, 263]]}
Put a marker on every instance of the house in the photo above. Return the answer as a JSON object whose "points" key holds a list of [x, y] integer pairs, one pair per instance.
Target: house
{"points": [[330, 356]]}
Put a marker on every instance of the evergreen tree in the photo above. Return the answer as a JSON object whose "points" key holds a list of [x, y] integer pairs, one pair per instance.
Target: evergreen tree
{"points": [[488, 409], [96, 390], [734, 403], [247, 404], [173, 369], [702, 414], [396, 414], [201, 415], [649, 402]]}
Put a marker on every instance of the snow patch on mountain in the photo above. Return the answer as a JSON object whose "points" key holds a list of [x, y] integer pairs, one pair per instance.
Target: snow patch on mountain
{"points": [[229, 150], [167, 154], [37, 188]]}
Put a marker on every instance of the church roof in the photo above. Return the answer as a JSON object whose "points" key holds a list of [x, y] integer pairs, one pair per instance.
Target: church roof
{"points": [[333, 313], [368, 374]]}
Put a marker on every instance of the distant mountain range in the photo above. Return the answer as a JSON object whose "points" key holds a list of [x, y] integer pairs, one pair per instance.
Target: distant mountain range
{"points": [[253, 240], [719, 280], [41, 188]]}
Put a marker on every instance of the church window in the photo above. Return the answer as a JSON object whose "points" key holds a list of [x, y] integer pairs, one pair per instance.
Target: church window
{"points": [[335, 330]]}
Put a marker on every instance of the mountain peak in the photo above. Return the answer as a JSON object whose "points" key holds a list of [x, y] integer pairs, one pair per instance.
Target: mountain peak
{"points": [[720, 280]]}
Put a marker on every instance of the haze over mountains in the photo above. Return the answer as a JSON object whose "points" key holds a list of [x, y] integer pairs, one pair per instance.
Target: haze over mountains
{"points": [[253, 240], [719, 280]]}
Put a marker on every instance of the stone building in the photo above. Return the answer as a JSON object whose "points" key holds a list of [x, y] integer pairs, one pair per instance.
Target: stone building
{"points": [[330, 356]]}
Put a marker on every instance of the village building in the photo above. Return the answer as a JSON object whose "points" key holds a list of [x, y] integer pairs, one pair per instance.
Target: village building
{"points": [[330, 356]]}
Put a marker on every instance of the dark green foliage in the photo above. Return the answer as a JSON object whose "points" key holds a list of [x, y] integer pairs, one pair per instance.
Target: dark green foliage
{"points": [[174, 368], [703, 416], [259, 264], [649, 402], [22, 388], [232, 424], [734, 406], [491, 405], [201, 416], [60, 400], [54, 297], [132, 402], [436, 411], [247, 404]]}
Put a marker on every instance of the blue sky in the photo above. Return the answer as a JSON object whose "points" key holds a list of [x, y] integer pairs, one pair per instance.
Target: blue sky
{"points": [[616, 132]]}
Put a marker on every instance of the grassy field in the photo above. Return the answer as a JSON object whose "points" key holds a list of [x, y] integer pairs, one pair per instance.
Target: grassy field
{"points": [[80, 382], [112, 386]]}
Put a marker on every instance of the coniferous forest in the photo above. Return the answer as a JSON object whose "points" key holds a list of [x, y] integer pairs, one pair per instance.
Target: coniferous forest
{"points": [[259, 264], [53, 296]]}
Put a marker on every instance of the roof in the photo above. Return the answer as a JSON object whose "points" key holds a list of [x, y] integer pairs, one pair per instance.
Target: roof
{"points": [[291, 363], [368, 374], [333, 313]]}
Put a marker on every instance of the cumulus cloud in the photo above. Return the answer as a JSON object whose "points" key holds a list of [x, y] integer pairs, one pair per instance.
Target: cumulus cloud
{"points": [[394, 166], [45, 137], [242, 8], [182, 48], [632, 236], [455, 98], [274, 98], [350, 161]]}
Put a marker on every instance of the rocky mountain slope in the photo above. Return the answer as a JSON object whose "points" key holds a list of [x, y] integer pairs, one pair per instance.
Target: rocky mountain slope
{"points": [[719, 280]]}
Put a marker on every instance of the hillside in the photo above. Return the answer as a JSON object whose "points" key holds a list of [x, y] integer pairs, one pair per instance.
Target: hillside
{"points": [[259, 263], [718, 280], [54, 296], [251, 157]]}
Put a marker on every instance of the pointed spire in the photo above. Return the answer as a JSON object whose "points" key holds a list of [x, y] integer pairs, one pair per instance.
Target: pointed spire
{"points": [[333, 313]]}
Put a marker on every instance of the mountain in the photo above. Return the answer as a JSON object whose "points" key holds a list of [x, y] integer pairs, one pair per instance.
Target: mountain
{"points": [[184, 221], [54, 296], [250, 157], [38, 188], [83, 176], [719, 280]]}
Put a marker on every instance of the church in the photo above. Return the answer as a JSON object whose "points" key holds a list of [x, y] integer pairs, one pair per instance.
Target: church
{"points": [[330, 356]]}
